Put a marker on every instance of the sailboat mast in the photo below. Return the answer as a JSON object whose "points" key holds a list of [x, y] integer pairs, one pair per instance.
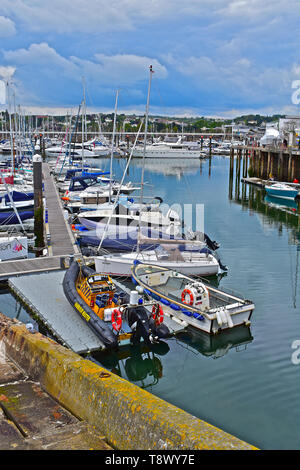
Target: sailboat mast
{"points": [[83, 123], [82, 136], [144, 153], [10, 124], [119, 190], [112, 146]]}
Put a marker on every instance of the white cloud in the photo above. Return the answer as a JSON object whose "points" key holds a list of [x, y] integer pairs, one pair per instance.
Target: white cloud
{"points": [[7, 27], [96, 16], [103, 74], [239, 78], [2, 92], [119, 70], [247, 46], [256, 10], [41, 56], [7, 72]]}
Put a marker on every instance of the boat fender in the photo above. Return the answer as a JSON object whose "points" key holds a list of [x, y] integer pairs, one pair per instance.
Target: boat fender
{"points": [[190, 300], [157, 314], [116, 320], [134, 297], [219, 318], [229, 320], [223, 316]]}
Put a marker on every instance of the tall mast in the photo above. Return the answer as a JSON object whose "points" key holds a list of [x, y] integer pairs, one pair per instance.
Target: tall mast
{"points": [[112, 146], [144, 153], [10, 125], [83, 122], [82, 135], [119, 190]]}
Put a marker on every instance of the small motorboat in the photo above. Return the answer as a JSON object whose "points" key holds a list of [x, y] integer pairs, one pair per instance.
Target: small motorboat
{"points": [[192, 301], [281, 190], [112, 314]]}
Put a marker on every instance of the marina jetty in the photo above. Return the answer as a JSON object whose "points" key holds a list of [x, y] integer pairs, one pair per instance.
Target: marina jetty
{"points": [[52, 398], [54, 228], [280, 163]]}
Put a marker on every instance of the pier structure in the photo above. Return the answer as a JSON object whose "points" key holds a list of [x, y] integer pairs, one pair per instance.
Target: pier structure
{"points": [[58, 234], [282, 164]]}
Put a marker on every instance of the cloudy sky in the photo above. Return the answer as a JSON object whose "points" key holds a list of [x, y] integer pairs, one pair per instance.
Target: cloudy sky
{"points": [[210, 57]]}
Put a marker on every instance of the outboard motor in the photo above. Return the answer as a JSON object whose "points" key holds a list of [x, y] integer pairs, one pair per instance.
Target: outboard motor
{"points": [[209, 252], [161, 331], [139, 323], [200, 236]]}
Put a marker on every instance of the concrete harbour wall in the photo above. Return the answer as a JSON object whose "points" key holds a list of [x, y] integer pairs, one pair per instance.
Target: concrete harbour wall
{"points": [[129, 417]]}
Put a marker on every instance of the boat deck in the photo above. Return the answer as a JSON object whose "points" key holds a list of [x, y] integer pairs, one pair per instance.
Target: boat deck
{"points": [[174, 287]]}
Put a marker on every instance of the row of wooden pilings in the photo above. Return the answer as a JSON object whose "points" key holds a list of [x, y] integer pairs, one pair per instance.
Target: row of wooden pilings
{"points": [[265, 163]]}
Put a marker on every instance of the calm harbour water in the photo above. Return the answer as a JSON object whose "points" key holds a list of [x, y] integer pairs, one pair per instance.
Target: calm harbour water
{"points": [[244, 382]]}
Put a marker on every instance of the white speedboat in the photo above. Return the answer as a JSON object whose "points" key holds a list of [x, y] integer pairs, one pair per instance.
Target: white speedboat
{"points": [[97, 193], [121, 216], [169, 150], [192, 263], [74, 152], [222, 149], [192, 302]]}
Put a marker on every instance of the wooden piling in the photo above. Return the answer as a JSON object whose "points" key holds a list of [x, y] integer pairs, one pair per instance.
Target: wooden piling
{"points": [[38, 203]]}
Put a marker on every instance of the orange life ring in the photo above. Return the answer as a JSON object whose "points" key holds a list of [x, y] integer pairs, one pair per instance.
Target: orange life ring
{"points": [[116, 319], [157, 314], [186, 292]]}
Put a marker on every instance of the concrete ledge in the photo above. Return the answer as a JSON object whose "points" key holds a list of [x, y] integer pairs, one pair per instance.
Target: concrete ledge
{"points": [[129, 417]]}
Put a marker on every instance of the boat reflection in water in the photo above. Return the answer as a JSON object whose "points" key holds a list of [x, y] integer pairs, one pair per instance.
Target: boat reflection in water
{"points": [[168, 167], [137, 364], [289, 205], [143, 366], [216, 346]]}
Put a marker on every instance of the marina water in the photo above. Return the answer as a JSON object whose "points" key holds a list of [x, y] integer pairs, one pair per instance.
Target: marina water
{"points": [[246, 381]]}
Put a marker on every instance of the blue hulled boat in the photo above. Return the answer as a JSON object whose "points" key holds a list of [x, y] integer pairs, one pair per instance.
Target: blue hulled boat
{"points": [[281, 190]]}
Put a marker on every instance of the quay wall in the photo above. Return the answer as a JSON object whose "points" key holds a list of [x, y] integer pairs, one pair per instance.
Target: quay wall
{"points": [[130, 418], [264, 162]]}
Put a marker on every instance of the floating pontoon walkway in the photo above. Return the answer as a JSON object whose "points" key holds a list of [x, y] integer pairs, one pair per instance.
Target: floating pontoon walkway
{"points": [[44, 296], [59, 233], [28, 266], [61, 242]]}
